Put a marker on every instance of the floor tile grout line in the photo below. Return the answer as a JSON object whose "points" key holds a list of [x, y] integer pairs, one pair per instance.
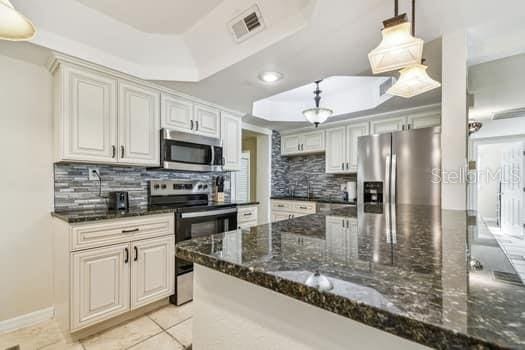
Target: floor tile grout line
{"points": [[173, 325], [142, 341], [178, 341]]}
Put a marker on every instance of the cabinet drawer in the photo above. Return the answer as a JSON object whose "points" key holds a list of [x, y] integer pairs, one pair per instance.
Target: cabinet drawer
{"points": [[85, 236], [304, 207], [247, 224], [282, 205], [246, 214]]}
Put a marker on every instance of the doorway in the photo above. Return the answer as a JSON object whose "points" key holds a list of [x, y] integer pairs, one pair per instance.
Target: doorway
{"points": [[499, 185]]}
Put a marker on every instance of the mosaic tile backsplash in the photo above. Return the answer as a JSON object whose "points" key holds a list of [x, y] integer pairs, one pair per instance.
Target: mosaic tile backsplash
{"points": [[296, 170], [74, 191]]}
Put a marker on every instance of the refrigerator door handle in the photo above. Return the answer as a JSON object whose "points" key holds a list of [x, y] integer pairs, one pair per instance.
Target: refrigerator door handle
{"points": [[393, 180], [386, 185]]}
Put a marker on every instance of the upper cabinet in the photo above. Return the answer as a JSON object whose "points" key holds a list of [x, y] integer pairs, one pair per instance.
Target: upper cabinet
{"points": [[177, 113], [207, 121], [231, 131], [138, 125], [304, 143], [341, 147], [92, 127], [85, 116], [381, 126], [186, 116]]}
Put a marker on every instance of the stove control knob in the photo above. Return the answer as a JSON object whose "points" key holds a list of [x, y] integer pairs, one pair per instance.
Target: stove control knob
{"points": [[199, 187], [164, 186], [205, 187], [157, 186]]}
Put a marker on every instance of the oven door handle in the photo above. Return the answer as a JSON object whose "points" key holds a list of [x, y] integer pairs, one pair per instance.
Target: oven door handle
{"points": [[212, 155], [201, 214]]}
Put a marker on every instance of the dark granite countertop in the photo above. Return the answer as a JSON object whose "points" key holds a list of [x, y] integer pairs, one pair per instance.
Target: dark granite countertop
{"points": [[77, 216], [330, 200], [439, 279]]}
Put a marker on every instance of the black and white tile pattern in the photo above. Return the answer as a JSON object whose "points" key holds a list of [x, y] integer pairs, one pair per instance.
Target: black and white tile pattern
{"points": [[74, 191]]}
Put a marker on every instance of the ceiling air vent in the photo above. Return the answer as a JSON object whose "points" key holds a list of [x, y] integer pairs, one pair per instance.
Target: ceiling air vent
{"points": [[247, 24], [510, 113], [387, 84]]}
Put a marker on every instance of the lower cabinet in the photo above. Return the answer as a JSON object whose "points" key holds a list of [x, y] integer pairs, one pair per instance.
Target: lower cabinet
{"points": [[100, 288], [290, 209], [247, 217], [105, 280]]}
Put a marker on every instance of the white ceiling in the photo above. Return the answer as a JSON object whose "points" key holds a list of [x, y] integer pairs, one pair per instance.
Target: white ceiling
{"points": [[155, 16], [342, 94]]}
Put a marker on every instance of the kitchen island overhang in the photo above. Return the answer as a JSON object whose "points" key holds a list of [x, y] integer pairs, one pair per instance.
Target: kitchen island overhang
{"points": [[416, 286]]}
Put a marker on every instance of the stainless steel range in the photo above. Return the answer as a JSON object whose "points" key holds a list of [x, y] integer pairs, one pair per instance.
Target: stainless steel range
{"points": [[195, 216]]}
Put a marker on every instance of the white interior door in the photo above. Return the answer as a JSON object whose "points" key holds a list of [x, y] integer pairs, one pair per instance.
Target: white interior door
{"points": [[243, 178], [512, 190]]}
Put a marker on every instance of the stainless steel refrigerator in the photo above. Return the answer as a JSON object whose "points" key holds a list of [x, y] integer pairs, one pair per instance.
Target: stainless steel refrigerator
{"points": [[399, 168]]}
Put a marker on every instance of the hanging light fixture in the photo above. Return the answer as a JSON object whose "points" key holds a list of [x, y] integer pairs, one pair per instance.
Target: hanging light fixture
{"points": [[317, 115], [13, 25], [414, 79], [399, 48]]}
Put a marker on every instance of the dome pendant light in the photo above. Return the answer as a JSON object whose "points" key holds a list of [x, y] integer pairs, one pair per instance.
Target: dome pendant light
{"points": [[317, 115], [399, 48], [414, 79], [13, 25]]}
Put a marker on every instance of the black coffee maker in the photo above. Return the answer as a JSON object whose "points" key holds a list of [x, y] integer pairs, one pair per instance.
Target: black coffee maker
{"points": [[118, 201]]}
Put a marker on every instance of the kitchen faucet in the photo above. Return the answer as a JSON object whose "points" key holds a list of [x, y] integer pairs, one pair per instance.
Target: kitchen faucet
{"points": [[307, 186]]}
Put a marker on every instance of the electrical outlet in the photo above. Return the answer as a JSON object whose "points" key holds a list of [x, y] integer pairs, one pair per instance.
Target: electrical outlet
{"points": [[93, 172]]}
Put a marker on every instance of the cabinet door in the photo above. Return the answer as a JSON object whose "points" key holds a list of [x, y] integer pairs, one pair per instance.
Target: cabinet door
{"points": [[206, 121], [139, 125], [231, 138], [353, 132], [177, 113], [313, 142], [335, 150], [426, 121], [88, 116], [290, 144], [100, 284], [152, 270], [336, 233], [387, 125]]}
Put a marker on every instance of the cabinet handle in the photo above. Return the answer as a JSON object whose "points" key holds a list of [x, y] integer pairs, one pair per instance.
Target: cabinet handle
{"points": [[342, 166], [126, 259], [197, 125], [280, 206], [303, 207], [131, 231], [298, 147], [343, 222], [191, 124], [136, 253], [409, 126], [113, 151], [347, 166], [247, 214], [121, 151], [302, 147]]}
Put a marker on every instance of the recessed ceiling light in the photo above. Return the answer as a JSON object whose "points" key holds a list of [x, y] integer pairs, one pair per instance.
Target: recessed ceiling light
{"points": [[270, 77]]}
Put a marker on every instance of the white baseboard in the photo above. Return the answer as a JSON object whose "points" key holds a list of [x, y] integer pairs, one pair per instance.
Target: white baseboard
{"points": [[27, 320]]}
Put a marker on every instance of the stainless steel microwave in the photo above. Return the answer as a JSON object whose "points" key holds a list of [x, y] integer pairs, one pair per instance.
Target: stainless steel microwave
{"points": [[187, 152]]}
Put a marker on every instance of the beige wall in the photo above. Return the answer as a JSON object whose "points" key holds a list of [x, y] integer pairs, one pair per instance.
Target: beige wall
{"points": [[26, 187], [249, 144]]}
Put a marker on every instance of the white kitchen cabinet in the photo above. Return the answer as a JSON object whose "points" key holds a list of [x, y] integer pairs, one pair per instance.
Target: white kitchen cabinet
{"points": [[290, 209], [281, 216], [177, 113], [336, 150], [304, 143], [353, 132], [206, 121], [383, 126], [152, 270], [247, 217], [85, 116], [424, 121], [342, 238], [100, 284], [138, 125], [341, 147], [290, 144], [231, 134]]}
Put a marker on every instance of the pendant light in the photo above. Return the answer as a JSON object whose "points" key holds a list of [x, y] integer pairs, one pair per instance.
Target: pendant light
{"points": [[414, 79], [399, 48], [13, 25], [317, 115]]}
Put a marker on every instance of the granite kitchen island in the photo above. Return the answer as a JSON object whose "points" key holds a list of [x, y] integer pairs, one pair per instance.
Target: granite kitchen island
{"points": [[430, 279]]}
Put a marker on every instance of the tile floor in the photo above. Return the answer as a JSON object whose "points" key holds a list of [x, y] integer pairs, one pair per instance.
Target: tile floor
{"points": [[165, 328], [513, 247]]}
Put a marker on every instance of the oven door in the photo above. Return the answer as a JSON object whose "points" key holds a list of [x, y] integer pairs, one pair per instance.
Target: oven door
{"points": [[181, 151]]}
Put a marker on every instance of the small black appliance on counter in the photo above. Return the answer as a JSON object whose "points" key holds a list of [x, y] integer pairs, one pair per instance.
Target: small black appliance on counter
{"points": [[118, 201]]}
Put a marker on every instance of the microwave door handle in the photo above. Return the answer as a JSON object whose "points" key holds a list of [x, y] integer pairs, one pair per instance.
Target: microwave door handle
{"points": [[212, 155]]}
